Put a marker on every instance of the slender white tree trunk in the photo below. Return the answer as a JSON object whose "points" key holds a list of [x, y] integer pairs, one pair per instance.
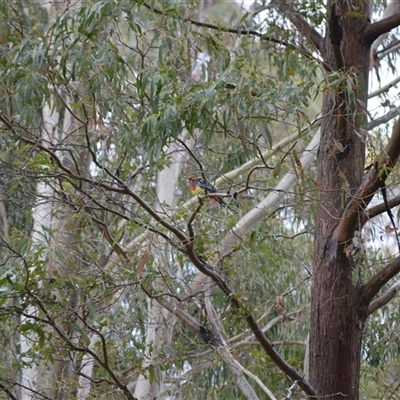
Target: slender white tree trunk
{"points": [[43, 220], [159, 333]]}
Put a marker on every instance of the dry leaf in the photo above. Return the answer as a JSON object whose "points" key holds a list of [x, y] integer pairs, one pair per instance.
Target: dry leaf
{"points": [[141, 265]]}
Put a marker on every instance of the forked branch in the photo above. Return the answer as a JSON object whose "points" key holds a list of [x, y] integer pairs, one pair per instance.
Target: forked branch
{"points": [[373, 182], [385, 298], [378, 210], [371, 288]]}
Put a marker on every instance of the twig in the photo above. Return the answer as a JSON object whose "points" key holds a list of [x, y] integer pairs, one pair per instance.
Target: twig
{"points": [[239, 31], [190, 222], [189, 150], [385, 298]]}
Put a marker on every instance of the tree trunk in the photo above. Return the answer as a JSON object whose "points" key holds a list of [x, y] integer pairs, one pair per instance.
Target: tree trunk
{"points": [[43, 219], [159, 333], [337, 320]]}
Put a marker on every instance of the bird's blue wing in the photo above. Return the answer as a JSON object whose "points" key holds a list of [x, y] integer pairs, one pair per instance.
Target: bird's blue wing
{"points": [[206, 186]]}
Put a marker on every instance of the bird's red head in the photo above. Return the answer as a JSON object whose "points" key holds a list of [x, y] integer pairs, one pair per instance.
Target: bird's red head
{"points": [[191, 178]]}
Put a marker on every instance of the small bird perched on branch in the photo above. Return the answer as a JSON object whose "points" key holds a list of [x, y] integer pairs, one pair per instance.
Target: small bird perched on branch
{"points": [[199, 186]]}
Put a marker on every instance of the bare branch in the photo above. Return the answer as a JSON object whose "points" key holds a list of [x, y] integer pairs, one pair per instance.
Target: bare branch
{"points": [[373, 31], [238, 31], [392, 47], [385, 298], [394, 112], [190, 222], [371, 288], [258, 380], [189, 150], [250, 32], [275, 343], [28, 389], [385, 88], [8, 391], [265, 328], [392, 8], [230, 362], [174, 308], [103, 228], [372, 183], [212, 315], [378, 209], [278, 360]]}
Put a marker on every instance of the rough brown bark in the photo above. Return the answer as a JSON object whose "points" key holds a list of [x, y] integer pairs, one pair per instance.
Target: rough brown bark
{"points": [[336, 318]]}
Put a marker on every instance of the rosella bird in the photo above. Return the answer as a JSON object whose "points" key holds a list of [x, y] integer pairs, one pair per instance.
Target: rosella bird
{"points": [[199, 186]]}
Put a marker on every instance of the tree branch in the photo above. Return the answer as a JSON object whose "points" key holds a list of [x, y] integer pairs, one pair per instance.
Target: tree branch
{"points": [[174, 308], [371, 288], [4, 220], [302, 25], [8, 391], [385, 298], [257, 379], [226, 356], [121, 187], [314, 37], [372, 183], [278, 360], [235, 302], [373, 31], [392, 8], [385, 88], [394, 112], [391, 48], [76, 346], [238, 31], [378, 209]]}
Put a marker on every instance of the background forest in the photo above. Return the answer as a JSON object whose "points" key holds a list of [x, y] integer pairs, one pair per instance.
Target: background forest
{"points": [[116, 282]]}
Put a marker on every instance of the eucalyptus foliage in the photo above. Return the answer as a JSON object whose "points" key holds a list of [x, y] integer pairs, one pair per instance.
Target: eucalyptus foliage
{"points": [[120, 78]]}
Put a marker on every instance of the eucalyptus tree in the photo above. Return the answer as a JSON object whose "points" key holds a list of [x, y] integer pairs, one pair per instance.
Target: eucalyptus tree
{"points": [[116, 281]]}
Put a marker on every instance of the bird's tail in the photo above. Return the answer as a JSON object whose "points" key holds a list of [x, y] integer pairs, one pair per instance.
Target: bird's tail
{"points": [[224, 204]]}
